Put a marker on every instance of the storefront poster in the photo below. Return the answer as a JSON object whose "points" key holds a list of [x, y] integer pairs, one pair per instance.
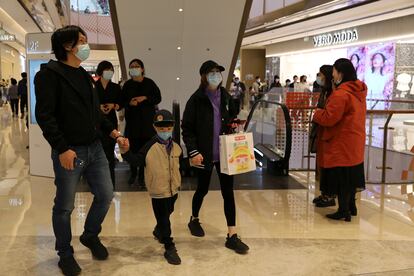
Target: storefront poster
{"points": [[379, 73], [357, 55]]}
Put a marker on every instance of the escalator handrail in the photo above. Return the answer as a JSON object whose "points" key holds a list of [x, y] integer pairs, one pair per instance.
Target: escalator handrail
{"points": [[288, 125]]}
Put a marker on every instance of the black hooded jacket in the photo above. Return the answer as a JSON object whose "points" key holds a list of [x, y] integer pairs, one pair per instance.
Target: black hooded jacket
{"points": [[67, 114], [198, 123]]}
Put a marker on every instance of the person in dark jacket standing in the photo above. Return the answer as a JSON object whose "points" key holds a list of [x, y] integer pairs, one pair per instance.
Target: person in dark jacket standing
{"points": [[67, 110], [324, 81], [110, 99], [22, 90], [141, 97], [208, 114], [13, 94], [341, 145]]}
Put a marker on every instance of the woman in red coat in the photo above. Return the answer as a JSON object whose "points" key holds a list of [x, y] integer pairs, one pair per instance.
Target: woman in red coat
{"points": [[342, 139]]}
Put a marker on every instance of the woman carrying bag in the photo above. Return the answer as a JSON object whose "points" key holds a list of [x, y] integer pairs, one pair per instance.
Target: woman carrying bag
{"points": [[207, 115]]}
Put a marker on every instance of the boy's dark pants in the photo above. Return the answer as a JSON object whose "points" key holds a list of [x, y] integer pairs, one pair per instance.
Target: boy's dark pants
{"points": [[163, 208]]}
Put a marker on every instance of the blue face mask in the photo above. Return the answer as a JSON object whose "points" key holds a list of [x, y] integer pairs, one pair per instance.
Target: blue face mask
{"points": [[165, 135], [214, 78], [83, 52], [135, 72], [107, 75], [320, 81]]}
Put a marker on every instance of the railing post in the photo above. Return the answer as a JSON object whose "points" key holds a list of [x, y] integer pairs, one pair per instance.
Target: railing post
{"points": [[384, 150]]}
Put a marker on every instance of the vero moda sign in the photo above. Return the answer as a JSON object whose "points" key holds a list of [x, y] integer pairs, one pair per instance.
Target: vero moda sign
{"points": [[335, 38]]}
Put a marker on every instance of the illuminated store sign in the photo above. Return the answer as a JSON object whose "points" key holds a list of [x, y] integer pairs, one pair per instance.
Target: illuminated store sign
{"points": [[335, 38]]}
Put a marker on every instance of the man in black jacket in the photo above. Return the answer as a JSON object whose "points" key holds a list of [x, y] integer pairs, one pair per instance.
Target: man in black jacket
{"points": [[22, 92], [67, 110]]}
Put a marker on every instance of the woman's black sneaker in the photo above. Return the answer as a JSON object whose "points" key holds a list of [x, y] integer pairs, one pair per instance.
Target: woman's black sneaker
{"points": [[195, 227], [316, 199], [98, 250], [236, 244], [171, 256], [325, 202], [69, 266]]}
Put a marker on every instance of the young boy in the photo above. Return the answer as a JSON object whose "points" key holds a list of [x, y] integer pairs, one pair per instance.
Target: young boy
{"points": [[161, 159]]}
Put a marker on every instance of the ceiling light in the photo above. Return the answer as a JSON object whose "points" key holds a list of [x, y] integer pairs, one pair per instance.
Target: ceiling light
{"points": [[180, 10], [178, 48], [178, 78]]}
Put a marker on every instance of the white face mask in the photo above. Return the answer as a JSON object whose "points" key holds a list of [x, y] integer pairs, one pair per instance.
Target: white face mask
{"points": [[214, 78], [320, 81], [135, 72], [107, 75], [83, 52]]}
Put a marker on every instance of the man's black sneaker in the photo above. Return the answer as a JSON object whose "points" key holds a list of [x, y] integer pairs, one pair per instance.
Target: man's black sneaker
{"points": [[236, 244], [171, 256], [325, 202], [195, 227], [69, 266], [98, 250]]}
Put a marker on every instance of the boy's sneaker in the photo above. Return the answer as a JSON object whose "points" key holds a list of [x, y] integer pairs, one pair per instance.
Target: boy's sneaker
{"points": [[98, 250], [171, 256], [195, 227], [236, 244], [69, 266]]}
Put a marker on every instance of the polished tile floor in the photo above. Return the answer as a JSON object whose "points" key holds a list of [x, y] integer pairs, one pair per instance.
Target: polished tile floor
{"points": [[286, 233]]}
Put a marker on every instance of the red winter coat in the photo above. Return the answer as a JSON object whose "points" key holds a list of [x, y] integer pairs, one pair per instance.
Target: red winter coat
{"points": [[341, 139]]}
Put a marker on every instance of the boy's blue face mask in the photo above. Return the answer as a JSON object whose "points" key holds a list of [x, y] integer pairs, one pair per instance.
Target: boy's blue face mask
{"points": [[165, 135]]}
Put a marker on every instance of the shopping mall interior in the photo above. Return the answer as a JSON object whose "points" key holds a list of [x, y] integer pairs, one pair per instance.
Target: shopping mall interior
{"points": [[256, 42]]}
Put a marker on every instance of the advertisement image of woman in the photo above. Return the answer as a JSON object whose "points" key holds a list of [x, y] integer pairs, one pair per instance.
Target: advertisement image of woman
{"points": [[207, 115]]}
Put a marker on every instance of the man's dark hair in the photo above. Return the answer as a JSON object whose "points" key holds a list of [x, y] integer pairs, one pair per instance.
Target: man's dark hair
{"points": [[23, 74], [13, 81], [68, 35], [295, 76], [102, 66], [345, 66]]}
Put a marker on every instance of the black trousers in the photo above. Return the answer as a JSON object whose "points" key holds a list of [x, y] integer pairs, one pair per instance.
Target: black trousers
{"points": [[23, 105], [163, 208], [135, 145], [226, 185], [15, 106], [108, 145], [237, 105]]}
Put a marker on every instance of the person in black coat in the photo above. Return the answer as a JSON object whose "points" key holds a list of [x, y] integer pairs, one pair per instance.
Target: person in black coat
{"points": [[110, 99], [209, 113], [67, 110], [140, 96], [22, 91]]}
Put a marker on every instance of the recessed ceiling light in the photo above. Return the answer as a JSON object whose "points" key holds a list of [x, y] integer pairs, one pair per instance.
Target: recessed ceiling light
{"points": [[178, 78], [178, 48], [180, 10]]}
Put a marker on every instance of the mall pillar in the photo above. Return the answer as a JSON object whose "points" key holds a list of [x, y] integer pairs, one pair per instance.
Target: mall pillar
{"points": [[252, 64]]}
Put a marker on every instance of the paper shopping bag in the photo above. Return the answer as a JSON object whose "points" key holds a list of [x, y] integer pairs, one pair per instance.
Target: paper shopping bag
{"points": [[237, 153]]}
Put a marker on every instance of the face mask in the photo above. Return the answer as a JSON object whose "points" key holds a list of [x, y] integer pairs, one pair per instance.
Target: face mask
{"points": [[165, 135], [214, 79], [338, 82], [258, 80], [320, 81], [236, 81], [135, 72], [107, 75], [83, 52]]}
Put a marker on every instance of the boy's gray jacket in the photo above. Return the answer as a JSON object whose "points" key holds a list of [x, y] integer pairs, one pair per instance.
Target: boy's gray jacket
{"points": [[162, 171]]}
